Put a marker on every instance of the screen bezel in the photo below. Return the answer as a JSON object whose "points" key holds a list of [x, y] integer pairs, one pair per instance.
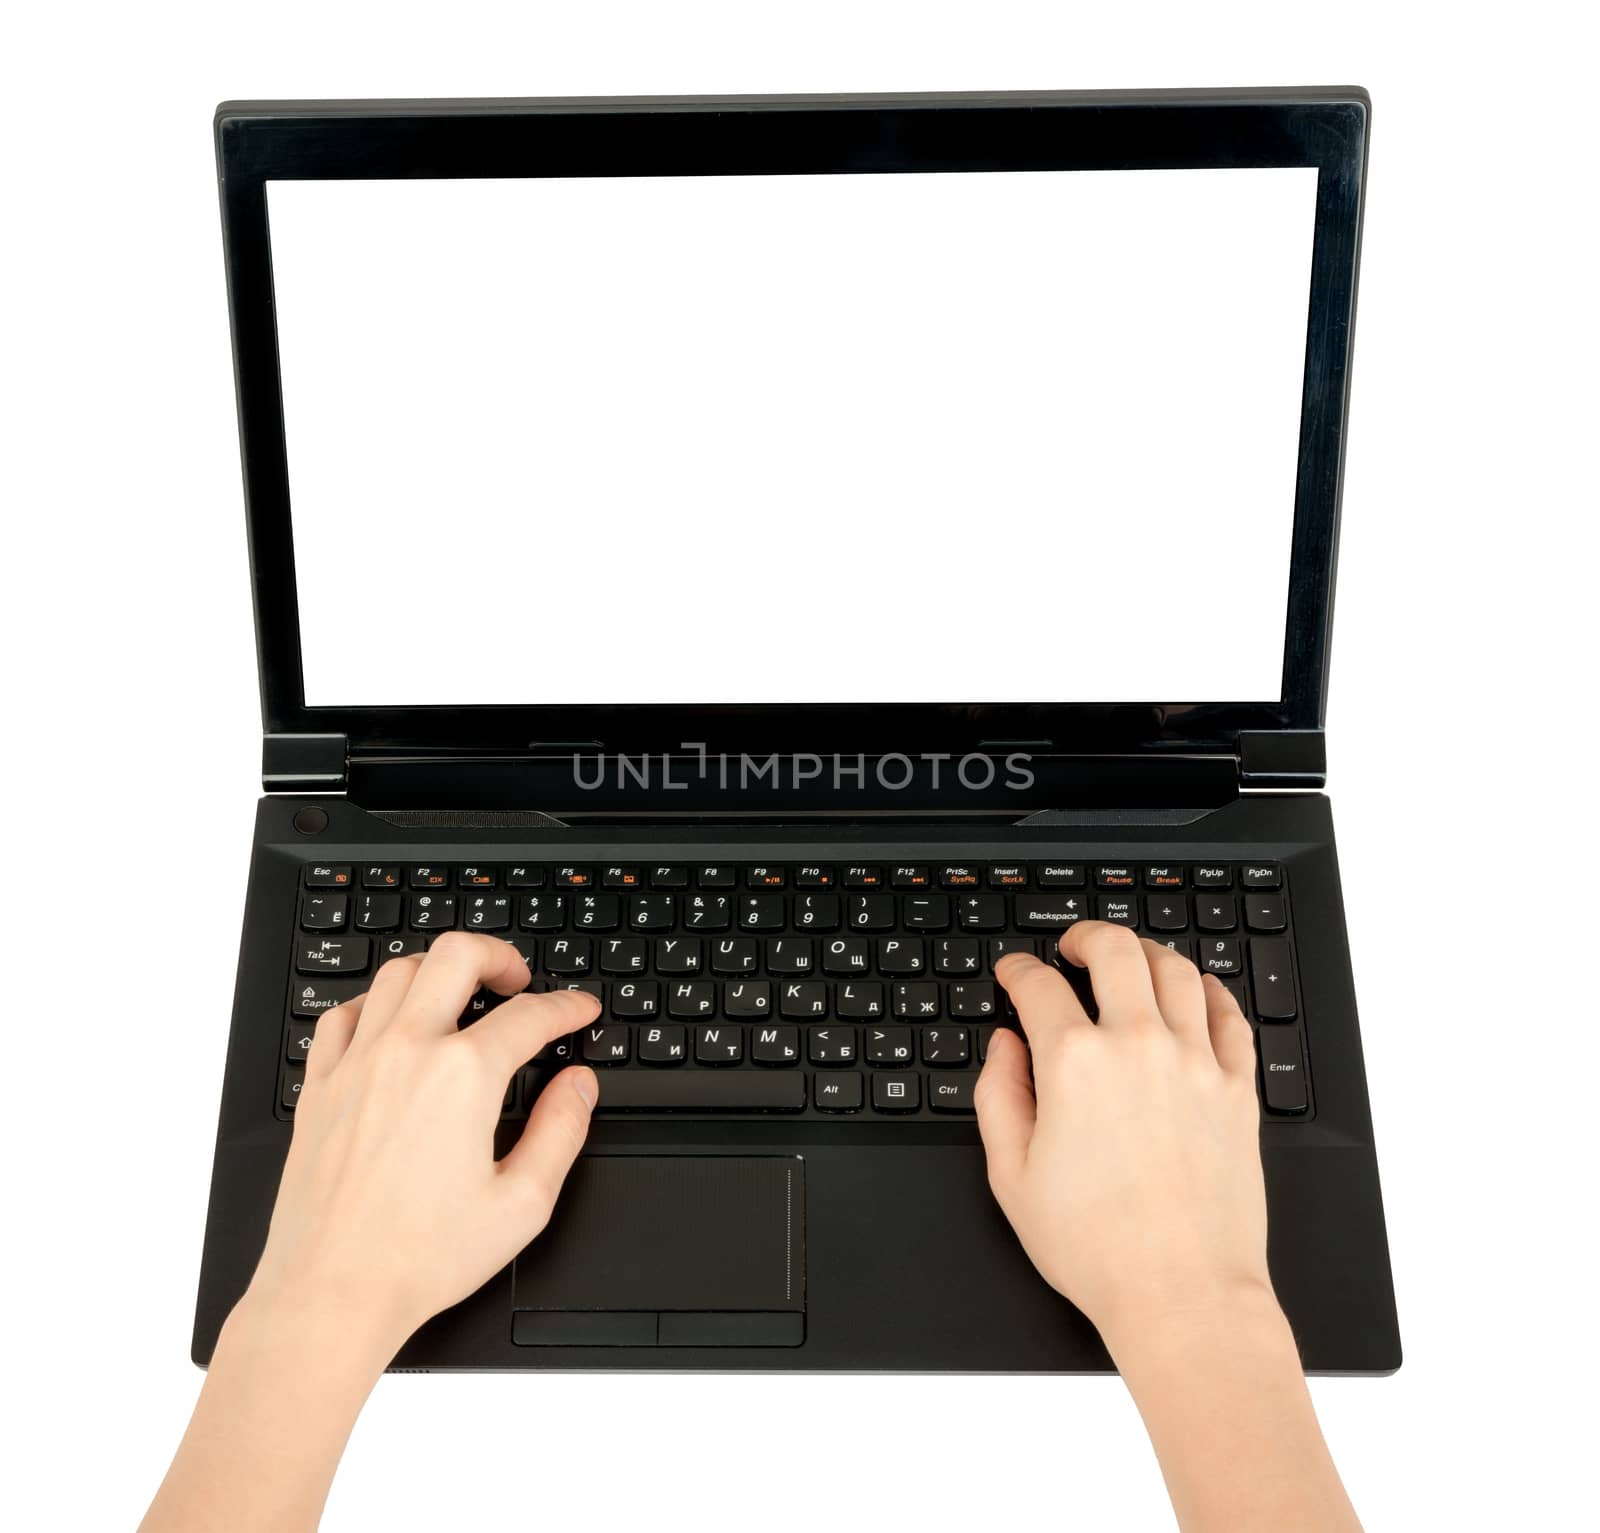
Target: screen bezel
{"points": [[260, 142]]}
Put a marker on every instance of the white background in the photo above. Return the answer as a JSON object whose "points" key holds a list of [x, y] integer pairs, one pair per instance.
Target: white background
{"points": [[1461, 769], [788, 424]]}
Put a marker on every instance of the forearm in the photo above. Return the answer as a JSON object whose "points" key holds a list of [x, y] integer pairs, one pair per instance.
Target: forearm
{"points": [[284, 1388], [1225, 1402]]}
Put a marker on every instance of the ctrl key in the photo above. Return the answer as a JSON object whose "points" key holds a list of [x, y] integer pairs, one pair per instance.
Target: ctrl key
{"points": [[294, 1077], [1283, 1069]]}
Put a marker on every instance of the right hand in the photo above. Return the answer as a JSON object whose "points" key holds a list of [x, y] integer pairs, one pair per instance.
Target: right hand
{"points": [[1128, 1158]]}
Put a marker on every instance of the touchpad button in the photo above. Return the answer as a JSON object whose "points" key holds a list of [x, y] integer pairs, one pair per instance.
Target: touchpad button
{"points": [[669, 1250]]}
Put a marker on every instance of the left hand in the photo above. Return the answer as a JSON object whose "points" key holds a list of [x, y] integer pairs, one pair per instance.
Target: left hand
{"points": [[392, 1206]]}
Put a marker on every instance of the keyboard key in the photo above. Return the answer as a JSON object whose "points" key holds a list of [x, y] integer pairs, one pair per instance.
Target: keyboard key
{"points": [[693, 998], [860, 1000], [916, 1002], [430, 876], [1283, 1074], [334, 955], [747, 1000], [847, 955], [899, 956], [606, 1043], [400, 945], [911, 876], [324, 912], [1007, 875], [957, 955], [541, 913], [971, 1000], [946, 1047], [889, 1046], [324, 875], [1048, 914], [719, 1044], [596, 912], [1220, 956], [309, 998], [569, 955], [433, 912], [486, 912], [476, 876], [896, 1093], [981, 912], [708, 912], [1120, 910], [662, 1045], [652, 912], [775, 1045], [622, 876], [1212, 876], [1271, 980], [951, 1093], [380, 876], [1260, 875], [803, 1000], [1117, 875], [702, 1091], [735, 955], [761, 912], [863, 876], [927, 912], [791, 955], [297, 1044], [293, 1079], [1059, 875], [721, 876], [635, 1000], [378, 912], [817, 912], [831, 1045], [765, 876], [1166, 912], [1215, 913], [1163, 875], [1264, 912], [678, 955], [813, 877], [574, 878], [837, 1090], [961, 875], [870, 913], [525, 875], [669, 875], [623, 955]]}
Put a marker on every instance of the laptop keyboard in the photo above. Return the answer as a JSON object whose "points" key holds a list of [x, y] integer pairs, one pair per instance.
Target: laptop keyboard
{"points": [[817, 991]]}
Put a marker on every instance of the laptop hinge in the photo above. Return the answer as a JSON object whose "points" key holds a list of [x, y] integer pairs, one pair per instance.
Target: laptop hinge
{"points": [[305, 763], [1283, 759]]}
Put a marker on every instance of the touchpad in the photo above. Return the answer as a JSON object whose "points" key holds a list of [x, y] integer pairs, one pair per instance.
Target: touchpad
{"points": [[669, 1250]]}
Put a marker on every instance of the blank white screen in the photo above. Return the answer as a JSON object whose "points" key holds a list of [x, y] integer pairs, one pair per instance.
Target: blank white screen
{"points": [[997, 436]]}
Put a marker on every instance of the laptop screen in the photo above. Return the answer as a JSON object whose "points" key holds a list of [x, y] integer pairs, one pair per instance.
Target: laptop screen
{"points": [[981, 437]]}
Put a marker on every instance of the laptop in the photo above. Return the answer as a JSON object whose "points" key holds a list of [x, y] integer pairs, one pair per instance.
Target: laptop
{"points": [[768, 557]]}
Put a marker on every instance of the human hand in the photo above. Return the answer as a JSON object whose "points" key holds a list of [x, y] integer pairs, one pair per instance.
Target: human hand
{"points": [[1128, 1160], [392, 1206]]}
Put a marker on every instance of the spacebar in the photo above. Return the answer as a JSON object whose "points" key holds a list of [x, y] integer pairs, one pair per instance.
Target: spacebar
{"points": [[701, 1091]]}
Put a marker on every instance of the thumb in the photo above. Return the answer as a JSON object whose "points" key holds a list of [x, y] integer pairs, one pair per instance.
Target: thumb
{"points": [[538, 1163], [1006, 1109]]}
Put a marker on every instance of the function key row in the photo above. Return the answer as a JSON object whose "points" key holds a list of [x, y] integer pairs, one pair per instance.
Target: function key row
{"points": [[905, 877]]}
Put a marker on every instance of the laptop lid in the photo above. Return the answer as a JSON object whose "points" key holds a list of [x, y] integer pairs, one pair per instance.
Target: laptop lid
{"points": [[898, 424]]}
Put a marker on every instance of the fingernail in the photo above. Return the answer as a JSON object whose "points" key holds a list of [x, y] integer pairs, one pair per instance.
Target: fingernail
{"points": [[1210, 979], [585, 1084]]}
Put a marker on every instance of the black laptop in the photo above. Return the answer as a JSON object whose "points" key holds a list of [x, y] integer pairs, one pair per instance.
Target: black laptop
{"points": [[768, 557]]}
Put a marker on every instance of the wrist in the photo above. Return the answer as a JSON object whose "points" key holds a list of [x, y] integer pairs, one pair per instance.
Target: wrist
{"points": [[1242, 1316], [309, 1328]]}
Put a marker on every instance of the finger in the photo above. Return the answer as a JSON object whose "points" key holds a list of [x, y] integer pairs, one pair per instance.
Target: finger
{"points": [[1232, 1038], [389, 988], [514, 1032], [1006, 1109], [538, 1163], [1178, 991], [335, 1029], [1118, 970], [455, 966], [1045, 1004]]}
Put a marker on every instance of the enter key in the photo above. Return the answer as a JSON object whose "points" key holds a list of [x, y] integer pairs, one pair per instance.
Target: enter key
{"points": [[1283, 1069]]}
